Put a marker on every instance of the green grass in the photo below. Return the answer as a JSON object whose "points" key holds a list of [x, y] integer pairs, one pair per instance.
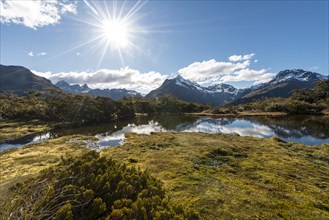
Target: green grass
{"points": [[15, 129], [228, 176]]}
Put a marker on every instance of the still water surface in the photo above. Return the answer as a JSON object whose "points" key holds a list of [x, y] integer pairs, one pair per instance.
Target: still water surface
{"points": [[310, 130]]}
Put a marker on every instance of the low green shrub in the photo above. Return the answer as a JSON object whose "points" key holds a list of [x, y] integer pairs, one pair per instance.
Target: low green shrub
{"points": [[93, 187]]}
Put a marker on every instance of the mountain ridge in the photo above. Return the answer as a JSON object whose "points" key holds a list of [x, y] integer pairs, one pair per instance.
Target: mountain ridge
{"points": [[282, 85], [20, 80], [114, 94]]}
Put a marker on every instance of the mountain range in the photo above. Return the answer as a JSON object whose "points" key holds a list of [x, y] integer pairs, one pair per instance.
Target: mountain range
{"points": [[282, 85], [20, 80], [114, 94]]}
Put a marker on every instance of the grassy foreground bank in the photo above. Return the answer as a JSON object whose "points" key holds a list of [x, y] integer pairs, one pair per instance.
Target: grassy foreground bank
{"points": [[228, 176], [221, 176]]}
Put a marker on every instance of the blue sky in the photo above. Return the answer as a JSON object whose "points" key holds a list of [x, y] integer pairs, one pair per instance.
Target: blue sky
{"points": [[237, 42]]}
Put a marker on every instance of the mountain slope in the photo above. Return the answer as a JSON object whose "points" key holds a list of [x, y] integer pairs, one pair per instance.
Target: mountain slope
{"points": [[282, 85], [20, 80], [193, 92], [114, 94]]}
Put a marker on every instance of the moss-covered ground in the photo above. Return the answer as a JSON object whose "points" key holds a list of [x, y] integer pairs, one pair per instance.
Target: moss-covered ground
{"points": [[233, 177]]}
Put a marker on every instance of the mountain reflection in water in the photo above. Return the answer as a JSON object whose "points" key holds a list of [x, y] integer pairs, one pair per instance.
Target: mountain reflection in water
{"points": [[309, 130]]}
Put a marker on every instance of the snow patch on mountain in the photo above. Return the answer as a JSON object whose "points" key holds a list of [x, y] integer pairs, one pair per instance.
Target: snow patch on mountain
{"points": [[296, 74]]}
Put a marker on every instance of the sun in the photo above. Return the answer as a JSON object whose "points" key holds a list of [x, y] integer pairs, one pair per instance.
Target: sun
{"points": [[113, 28], [116, 33]]}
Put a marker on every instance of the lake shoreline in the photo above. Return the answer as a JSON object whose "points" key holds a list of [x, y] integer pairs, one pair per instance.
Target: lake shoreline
{"points": [[237, 114], [11, 130], [305, 129]]}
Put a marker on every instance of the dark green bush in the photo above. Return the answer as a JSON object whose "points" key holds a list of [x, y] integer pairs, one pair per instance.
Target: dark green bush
{"points": [[93, 187]]}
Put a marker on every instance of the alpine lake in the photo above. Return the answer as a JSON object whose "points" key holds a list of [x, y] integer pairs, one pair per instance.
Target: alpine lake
{"points": [[308, 130]]}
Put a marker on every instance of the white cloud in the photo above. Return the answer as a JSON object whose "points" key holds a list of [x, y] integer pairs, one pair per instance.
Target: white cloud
{"points": [[78, 54], [30, 54], [236, 58], [107, 79], [34, 13], [68, 8], [213, 72], [258, 76], [255, 61], [204, 72], [42, 54]]}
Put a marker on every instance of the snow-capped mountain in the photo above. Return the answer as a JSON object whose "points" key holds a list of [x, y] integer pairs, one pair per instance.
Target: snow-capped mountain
{"points": [[193, 92], [282, 85], [114, 94], [296, 74], [223, 88]]}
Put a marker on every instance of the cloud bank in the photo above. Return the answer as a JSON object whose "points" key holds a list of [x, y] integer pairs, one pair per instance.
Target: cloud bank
{"points": [[236, 69], [205, 73], [108, 79], [34, 14]]}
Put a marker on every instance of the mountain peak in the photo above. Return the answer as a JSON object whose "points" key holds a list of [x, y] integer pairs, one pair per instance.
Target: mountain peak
{"points": [[296, 74], [223, 88], [62, 83], [179, 77], [193, 92], [85, 87], [180, 81]]}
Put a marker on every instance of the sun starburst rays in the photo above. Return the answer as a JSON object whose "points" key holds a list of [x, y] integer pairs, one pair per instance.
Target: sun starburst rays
{"points": [[112, 31], [113, 28]]}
